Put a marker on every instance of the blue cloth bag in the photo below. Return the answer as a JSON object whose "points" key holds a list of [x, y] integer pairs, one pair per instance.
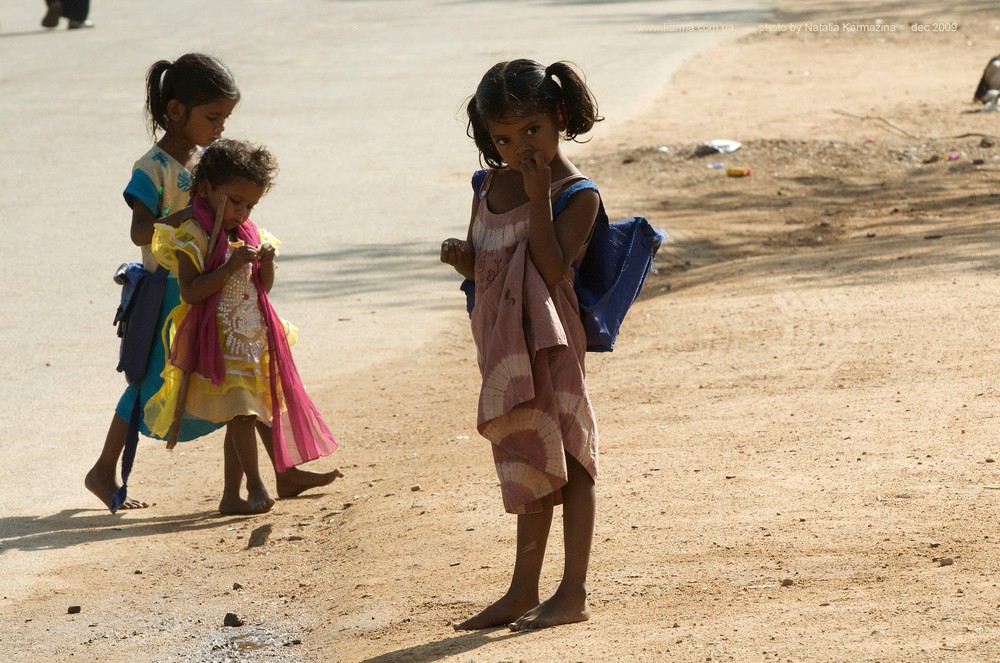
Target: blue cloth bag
{"points": [[136, 317], [613, 270], [611, 273]]}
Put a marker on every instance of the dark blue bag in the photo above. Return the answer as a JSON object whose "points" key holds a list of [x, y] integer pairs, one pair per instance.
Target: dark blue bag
{"points": [[137, 315], [611, 273]]}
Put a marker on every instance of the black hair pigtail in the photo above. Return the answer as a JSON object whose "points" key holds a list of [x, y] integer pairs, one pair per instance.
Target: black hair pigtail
{"points": [[578, 102], [156, 107]]}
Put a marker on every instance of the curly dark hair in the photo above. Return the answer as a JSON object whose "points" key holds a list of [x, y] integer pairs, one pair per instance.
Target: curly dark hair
{"points": [[226, 159], [522, 87]]}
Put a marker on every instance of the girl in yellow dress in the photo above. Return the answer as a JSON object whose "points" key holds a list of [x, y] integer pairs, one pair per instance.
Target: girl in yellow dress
{"points": [[230, 359]]}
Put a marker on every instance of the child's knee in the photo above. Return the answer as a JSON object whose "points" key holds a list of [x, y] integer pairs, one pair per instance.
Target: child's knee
{"points": [[243, 423]]}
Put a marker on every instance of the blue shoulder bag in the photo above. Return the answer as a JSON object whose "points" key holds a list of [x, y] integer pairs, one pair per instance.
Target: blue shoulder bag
{"points": [[137, 315], [611, 274], [136, 318]]}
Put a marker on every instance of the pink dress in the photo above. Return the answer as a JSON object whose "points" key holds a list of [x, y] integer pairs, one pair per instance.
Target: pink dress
{"points": [[533, 404]]}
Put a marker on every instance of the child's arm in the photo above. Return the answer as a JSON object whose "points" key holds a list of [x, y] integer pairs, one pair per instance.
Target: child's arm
{"points": [[460, 254], [554, 246], [143, 220], [196, 286]]}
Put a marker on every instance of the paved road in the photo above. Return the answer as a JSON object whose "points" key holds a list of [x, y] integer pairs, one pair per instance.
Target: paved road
{"points": [[362, 104]]}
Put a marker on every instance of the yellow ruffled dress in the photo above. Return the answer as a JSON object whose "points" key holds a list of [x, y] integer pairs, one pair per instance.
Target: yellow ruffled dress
{"points": [[246, 388]]}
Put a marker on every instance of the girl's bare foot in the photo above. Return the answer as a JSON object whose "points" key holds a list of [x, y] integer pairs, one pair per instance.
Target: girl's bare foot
{"points": [[564, 607], [293, 481], [502, 613], [234, 505], [105, 486], [258, 499]]}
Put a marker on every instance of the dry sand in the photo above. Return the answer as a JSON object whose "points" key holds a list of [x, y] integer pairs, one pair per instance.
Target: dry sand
{"points": [[797, 442]]}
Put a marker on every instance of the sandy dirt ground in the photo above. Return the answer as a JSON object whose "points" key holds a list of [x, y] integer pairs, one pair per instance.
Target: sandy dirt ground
{"points": [[798, 452]]}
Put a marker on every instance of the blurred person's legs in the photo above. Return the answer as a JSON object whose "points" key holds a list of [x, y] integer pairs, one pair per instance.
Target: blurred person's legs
{"points": [[52, 14], [75, 11]]}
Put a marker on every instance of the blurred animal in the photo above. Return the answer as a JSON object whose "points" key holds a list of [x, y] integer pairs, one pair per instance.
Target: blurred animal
{"points": [[989, 85]]}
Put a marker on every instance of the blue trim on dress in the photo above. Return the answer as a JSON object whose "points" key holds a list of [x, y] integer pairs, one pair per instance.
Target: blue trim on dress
{"points": [[142, 188]]}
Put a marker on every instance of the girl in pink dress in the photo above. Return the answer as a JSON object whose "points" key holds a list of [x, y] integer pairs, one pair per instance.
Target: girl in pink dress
{"points": [[533, 404]]}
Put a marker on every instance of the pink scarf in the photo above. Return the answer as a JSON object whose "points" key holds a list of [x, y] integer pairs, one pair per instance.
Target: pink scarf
{"points": [[196, 348]]}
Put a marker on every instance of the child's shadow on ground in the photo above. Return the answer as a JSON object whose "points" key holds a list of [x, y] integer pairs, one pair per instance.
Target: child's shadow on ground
{"points": [[69, 528], [435, 651]]}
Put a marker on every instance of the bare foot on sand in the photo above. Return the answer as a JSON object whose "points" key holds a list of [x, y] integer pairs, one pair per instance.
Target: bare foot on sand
{"points": [[258, 499], [565, 607], [502, 613], [293, 482], [234, 505], [104, 487]]}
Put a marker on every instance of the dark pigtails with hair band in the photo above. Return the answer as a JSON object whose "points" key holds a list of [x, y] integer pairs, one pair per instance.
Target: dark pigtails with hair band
{"points": [[522, 87], [156, 107], [576, 99]]}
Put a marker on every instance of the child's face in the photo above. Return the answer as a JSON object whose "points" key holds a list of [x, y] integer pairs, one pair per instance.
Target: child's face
{"points": [[517, 137], [206, 122], [240, 194]]}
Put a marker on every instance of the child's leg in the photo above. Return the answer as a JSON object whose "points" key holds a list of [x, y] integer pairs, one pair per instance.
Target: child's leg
{"points": [[293, 481], [232, 502], [522, 595], [102, 479], [569, 604], [245, 442]]}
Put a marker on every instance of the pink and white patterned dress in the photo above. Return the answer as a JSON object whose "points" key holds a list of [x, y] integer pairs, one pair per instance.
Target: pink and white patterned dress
{"points": [[533, 404]]}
